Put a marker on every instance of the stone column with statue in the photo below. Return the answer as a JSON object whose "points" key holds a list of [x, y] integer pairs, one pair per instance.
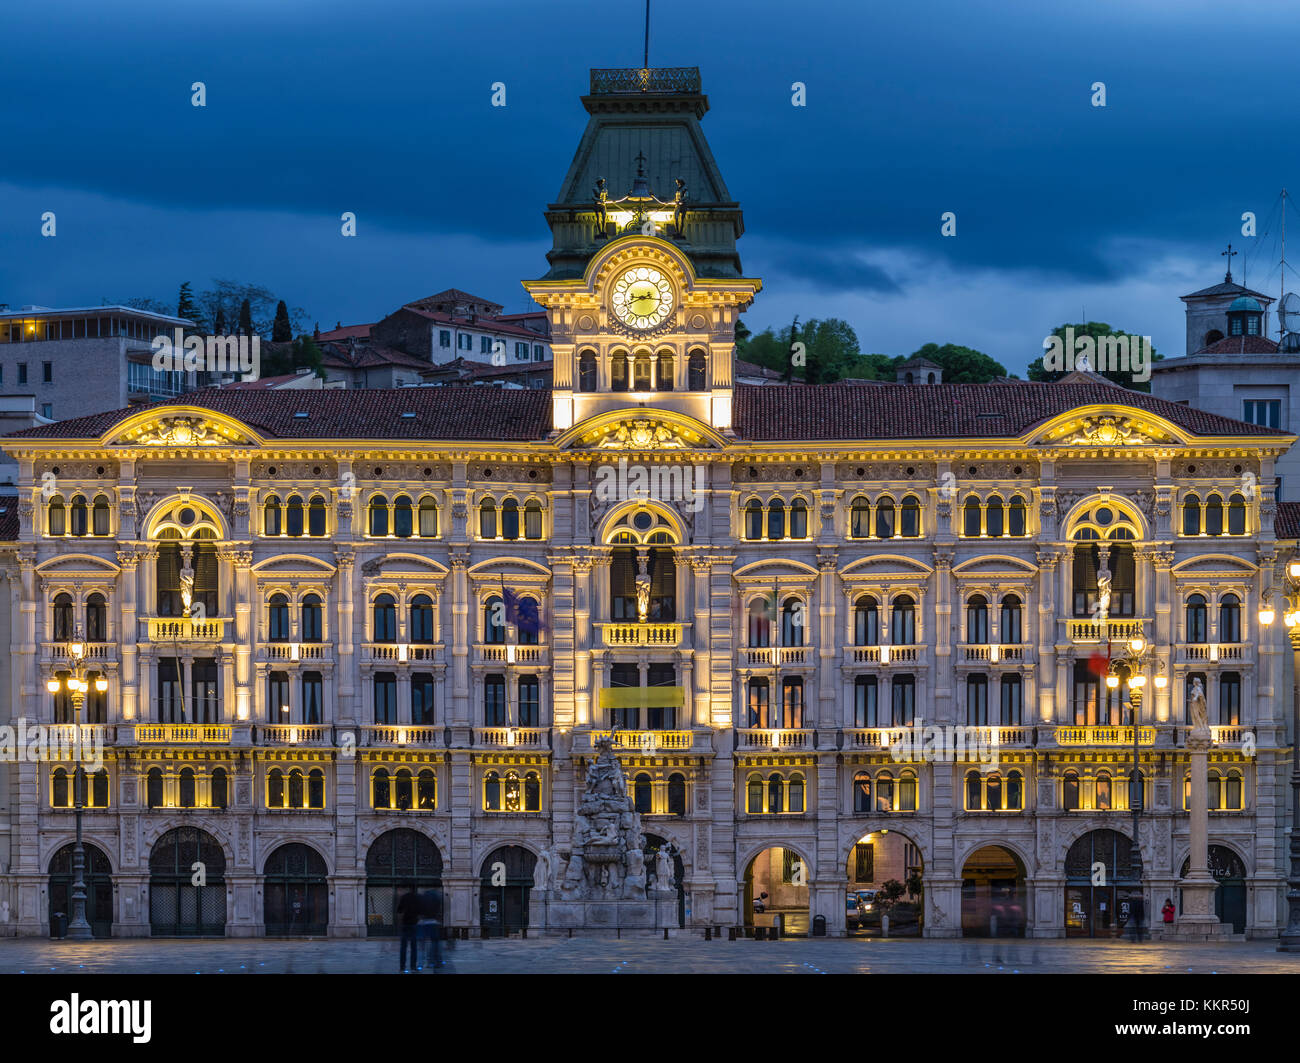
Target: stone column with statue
{"points": [[1197, 919]]}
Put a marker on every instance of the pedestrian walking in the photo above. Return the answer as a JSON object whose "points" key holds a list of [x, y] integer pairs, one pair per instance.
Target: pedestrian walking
{"points": [[431, 925], [1137, 911], [408, 923]]}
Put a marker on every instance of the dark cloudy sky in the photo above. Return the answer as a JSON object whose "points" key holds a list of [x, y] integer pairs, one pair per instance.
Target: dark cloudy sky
{"points": [[316, 107]]}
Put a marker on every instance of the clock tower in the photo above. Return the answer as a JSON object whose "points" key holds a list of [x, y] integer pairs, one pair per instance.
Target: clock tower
{"points": [[645, 283]]}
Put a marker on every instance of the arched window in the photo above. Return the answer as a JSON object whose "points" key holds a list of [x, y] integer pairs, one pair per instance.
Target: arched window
{"points": [[533, 520], [153, 788], [1191, 515], [775, 792], [618, 375], [79, 515], [641, 372], [428, 518], [677, 794], [862, 792], [311, 630], [866, 701], [528, 621], [404, 790], [795, 792], [385, 618], [426, 785], [909, 517], [754, 794], [58, 516], [664, 372], [1214, 515], [1070, 791], [492, 792], [641, 793], [219, 787], [510, 519], [1236, 515], [753, 519], [860, 518], [316, 516], [1009, 625], [866, 622], [902, 621], [1103, 791], [271, 516], [403, 517], [977, 620], [1196, 626], [760, 623], [885, 791], [1015, 791], [487, 519], [422, 618], [993, 792], [187, 788], [378, 515], [884, 517], [1229, 618], [696, 376], [293, 521], [64, 622], [798, 519], [792, 622], [776, 519], [494, 620], [993, 515], [907, 791], [99, 516], [316, 788], [1016, 523], [279, 618], [587, 371], [970, 518], [60, 797], [382, 796], [295, 788], [532, 792], [275, 789]]}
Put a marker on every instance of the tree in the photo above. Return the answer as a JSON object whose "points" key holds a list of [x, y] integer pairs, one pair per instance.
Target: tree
{"points": [[262, 304], [245, 319], [219, 325], [281, 359], [186, 308], [1113, 373], [961, 365], [143, 302], [281, 330], [830, 348], [889, 894]]}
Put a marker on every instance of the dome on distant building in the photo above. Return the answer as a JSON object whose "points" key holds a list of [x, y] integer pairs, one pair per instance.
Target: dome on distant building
{"points": [[1245, 302]]}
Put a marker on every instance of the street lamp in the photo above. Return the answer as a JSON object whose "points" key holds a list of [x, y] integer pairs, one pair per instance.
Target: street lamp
{"points": [[1290, 940], [1133, 659], [77, 687]]}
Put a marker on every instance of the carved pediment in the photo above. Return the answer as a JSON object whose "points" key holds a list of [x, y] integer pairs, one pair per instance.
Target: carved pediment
{"points": [[1107, 430], [643, 433], [182, 431]]}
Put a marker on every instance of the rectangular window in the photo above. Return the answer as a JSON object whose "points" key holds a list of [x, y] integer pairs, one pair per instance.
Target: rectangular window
{"points": [[444, 337], [22, 372], [903, 692], [1230, 699], [464, 342], [313, 698], [865, 711], [789, 860], [530, 701], [1264, 412], [539, 352], [47, 410], [661, 717], [521, 352], [1087, 687], [204, 692], [977, 701], [485, 345], [47, 372], [626, 717], [864, 862], [494, 701], [385, 697], [422, 698], [169, 692], [277, 697]]}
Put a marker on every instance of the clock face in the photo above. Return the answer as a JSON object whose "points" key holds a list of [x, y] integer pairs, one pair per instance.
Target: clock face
{"points": [[642, 298]]}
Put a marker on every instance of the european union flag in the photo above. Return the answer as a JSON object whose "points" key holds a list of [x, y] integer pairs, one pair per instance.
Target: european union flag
{"points": [[523, 612]]}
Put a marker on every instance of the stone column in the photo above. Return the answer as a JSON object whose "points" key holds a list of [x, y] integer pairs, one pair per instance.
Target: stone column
{"points": [[127, 683], [1197, 918]]}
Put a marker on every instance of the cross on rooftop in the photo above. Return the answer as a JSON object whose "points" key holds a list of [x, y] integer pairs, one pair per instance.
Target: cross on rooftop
{"points": [[1229, 253]]}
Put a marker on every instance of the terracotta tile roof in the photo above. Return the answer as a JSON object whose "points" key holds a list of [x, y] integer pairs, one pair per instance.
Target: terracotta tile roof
{"points": [[346, 332], [1241, 345], [761, 412], [263, 383], [1286, 525], [1227, 288], [8, 518], [341, 356], [744, 368], [454, 295], [482, 323]]}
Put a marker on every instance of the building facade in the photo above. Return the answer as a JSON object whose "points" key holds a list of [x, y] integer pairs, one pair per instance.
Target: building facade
{"points": [[357, 638]]}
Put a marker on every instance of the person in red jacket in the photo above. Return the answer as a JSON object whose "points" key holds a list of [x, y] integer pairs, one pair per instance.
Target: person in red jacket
{"points": [[1168, 910]]}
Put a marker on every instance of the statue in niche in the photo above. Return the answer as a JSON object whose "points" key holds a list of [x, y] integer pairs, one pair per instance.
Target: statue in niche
{"points": [[1104, 581], [542, 871], [663, 870]]}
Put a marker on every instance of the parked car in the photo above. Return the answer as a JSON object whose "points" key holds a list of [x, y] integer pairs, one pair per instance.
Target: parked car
{"points": [[851, 910]]}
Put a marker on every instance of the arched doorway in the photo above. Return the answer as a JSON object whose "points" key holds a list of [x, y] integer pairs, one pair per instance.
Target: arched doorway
{"points": [[98, 876], [653, 843], [885, 879], [1099, 885], [1230, 894], [776, 889], [506, 878], [187, 885], [295, 892], [395, 860], [993, 900]]}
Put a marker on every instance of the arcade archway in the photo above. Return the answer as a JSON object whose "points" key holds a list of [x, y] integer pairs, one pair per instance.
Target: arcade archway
{"points": [[395, 860], [776, 891], [295, 892], [993, 896], [885, 881], [187, 885], [1100, 888], [506, 879], [653, 843], [98, 876], [1230, 891]]}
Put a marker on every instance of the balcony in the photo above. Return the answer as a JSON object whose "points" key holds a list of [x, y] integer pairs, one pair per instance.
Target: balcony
{"points": [[777, 739], [621, 634], [1211, 652], [297, 651], [885, 654], [64, 735], [990, 654], [1104, 631], [304, 734], [647, 742], [94, 651], [771, 656], [882, 738], [178, 629], [1104, 736], [511, 737], [190, 733], [400, 652], [1229, 736], [398, 735], [504, 654]]}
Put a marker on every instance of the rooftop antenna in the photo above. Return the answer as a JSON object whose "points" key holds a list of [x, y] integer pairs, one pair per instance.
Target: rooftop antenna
{"points": [[1282, 282], [646, 59]]}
